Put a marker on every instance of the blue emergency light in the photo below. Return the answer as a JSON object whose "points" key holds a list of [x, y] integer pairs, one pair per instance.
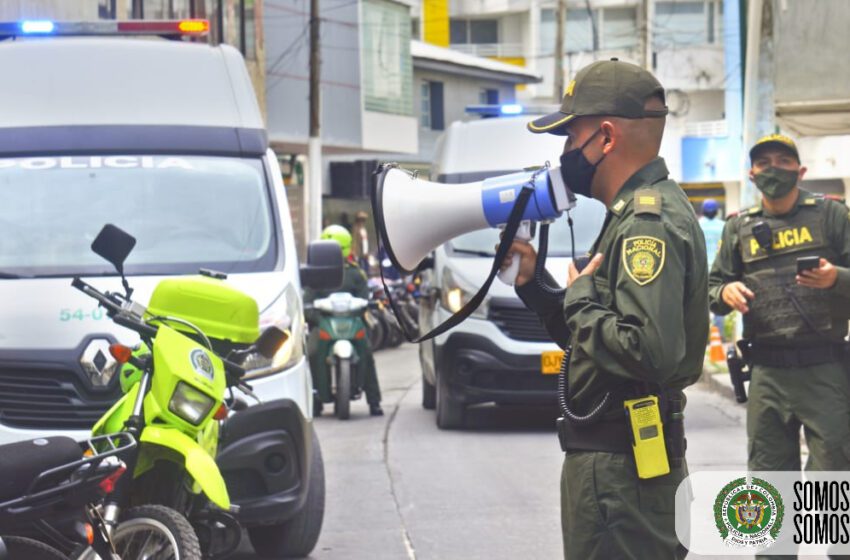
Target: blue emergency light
{"points": [[37, 27], [494, 110]]}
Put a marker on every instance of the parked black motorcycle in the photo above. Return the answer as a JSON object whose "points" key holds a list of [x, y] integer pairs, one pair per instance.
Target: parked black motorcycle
{"points": [[50, 494]]}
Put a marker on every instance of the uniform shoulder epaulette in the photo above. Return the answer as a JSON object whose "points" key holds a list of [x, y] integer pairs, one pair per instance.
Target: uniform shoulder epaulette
{"points": [[648, 201], [752, 211], [837, 198]]}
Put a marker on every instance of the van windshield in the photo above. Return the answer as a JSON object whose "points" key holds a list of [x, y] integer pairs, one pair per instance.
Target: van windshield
{"points": [[186, 212], [588, 216]]}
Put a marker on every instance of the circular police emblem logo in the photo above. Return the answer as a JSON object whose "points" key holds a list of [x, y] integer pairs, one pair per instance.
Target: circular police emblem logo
{"points": [[643, 264], [749, 514], [202, 364], [643, 258]]}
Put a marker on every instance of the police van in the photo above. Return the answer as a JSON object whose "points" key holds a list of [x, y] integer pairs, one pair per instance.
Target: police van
{"points": [[165, 139], [501, 353]]}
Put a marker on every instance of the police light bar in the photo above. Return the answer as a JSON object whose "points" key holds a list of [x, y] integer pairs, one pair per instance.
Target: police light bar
{"points": [[494, 110], [47, 28]]}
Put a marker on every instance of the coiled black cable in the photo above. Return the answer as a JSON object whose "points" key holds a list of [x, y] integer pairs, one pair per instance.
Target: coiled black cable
{"points": [[602, 406]]}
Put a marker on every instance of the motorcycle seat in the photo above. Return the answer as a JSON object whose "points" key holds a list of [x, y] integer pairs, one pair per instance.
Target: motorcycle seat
{"points": [[23, 461]]}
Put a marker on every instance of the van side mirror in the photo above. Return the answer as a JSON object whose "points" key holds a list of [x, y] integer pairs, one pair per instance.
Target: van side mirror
{"points": [[114, 244], [324, 268]]}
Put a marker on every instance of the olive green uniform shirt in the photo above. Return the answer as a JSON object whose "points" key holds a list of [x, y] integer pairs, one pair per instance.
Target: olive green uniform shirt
{"points": [[642, 317], [729, 265]]}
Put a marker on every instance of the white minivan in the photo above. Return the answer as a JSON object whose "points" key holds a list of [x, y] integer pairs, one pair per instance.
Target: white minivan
{"points": [[165, 139], [496, 354]]}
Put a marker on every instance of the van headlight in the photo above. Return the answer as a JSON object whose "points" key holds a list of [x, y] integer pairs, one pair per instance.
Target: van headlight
{"points": [[455, 293], [286, 314], [189, 403]]}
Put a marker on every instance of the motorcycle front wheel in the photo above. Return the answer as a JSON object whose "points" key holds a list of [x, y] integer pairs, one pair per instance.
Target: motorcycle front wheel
{"points": [[342, 395], [155, 532]]}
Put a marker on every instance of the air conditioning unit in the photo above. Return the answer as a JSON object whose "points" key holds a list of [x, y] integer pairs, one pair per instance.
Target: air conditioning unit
{"points": [[352, 179]]}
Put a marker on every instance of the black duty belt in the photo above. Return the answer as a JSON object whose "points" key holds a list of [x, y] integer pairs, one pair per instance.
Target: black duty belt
{"points": [[612, 435], [801, 356], [608, 436]]}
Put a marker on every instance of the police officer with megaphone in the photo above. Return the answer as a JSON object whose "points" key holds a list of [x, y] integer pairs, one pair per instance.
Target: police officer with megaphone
{"points": [[634, 320]]}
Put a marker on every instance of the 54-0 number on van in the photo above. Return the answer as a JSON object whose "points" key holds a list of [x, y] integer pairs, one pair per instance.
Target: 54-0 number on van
{"points": [[80, 314]]}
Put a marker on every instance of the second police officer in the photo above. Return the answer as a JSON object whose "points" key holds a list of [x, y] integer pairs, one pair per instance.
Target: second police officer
{"points": [[784, 265]]}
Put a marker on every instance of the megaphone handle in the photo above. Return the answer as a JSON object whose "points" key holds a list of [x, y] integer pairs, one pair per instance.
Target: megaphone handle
{"points": [[508, 276]]}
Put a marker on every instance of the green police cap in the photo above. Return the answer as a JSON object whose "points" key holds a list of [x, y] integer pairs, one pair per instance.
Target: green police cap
{"points": [[610, 88], [774, 141]]}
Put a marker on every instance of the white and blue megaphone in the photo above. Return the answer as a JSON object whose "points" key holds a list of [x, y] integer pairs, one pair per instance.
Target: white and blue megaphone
{"points": [[414, 216]]}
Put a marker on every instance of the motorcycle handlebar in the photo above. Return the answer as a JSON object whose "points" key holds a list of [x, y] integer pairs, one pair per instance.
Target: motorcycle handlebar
{"points": [[113, 308]]}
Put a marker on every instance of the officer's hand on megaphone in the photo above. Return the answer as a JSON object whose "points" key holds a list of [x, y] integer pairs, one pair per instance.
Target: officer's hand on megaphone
{"points": [[524, 251]]}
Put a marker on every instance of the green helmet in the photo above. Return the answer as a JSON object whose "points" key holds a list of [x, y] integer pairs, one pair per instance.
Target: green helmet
{"points": [[341, 236]]}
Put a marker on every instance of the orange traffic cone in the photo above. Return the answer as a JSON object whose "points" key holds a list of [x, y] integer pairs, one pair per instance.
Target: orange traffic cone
{"points": [[716, 352]]}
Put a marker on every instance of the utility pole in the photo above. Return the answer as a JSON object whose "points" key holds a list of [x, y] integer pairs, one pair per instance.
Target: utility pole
{"points": [[560, 24], [314, 148], [645, 34]]}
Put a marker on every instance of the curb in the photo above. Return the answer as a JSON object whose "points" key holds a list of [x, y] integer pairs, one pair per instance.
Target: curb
{"points": [[716, 379]]}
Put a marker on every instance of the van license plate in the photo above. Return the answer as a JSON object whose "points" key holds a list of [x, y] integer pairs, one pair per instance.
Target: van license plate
{"points": [[550, 362]]}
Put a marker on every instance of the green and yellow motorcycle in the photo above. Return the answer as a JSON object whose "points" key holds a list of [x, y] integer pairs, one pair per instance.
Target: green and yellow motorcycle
{"points": [[196, 334]]}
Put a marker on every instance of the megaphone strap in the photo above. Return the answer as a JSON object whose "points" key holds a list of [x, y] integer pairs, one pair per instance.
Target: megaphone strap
{"points": [[511, 228]]}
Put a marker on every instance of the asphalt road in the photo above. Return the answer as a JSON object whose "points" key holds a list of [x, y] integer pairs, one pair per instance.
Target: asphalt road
{"points": [[400, 489]]}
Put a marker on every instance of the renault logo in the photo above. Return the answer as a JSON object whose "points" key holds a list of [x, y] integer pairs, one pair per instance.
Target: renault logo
{"points": [[98, 363]]}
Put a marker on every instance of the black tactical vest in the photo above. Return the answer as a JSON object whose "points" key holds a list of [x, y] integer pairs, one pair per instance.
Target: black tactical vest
{"points": [[771, 273]]}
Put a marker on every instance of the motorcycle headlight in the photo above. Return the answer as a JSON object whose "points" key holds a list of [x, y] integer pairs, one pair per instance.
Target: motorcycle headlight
{"points": [[189, 403], [455, 293]]}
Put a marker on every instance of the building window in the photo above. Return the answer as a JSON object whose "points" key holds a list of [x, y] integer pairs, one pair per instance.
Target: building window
{"points": [[473, 31], [684, 22], [488, 97], [615, 28], [431, 106], [387, 70], [425, 105]]}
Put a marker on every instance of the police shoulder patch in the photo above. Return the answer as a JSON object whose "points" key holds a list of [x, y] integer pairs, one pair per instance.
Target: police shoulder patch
{"points": [[648, 201], [643, 258]]}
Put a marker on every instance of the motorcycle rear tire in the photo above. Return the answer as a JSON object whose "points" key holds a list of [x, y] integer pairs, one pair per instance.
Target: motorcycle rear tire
{"points": [[377, 332], [342, 395], [30, 549]]}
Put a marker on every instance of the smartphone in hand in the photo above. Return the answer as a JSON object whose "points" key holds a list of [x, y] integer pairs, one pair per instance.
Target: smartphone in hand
{"points": [[807, 263]]}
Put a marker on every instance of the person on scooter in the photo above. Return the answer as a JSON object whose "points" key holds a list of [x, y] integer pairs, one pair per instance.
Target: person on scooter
{"points": [[354, 282]]}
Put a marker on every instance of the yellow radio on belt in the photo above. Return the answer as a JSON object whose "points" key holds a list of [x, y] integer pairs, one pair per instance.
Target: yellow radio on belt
{"points": [[647, 433]]}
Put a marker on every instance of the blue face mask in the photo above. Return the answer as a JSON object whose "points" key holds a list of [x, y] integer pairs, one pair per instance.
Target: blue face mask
{"points": [[577, 171]]}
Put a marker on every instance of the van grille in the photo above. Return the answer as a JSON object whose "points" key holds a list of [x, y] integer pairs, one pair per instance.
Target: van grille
{"points": [[517, 321], [50, 399]]}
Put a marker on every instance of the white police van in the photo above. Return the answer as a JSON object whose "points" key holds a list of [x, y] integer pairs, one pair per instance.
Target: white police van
{"points": [[163, 138], [497, 354]]}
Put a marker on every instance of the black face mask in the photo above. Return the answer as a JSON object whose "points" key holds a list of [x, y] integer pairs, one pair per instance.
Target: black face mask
{"points": [[577, 171]]}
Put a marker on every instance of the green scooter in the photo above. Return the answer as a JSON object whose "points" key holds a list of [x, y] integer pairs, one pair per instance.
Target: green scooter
{"points": [[333, 355]]}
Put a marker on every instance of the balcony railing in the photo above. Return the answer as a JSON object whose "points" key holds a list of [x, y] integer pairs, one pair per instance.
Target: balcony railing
{"points": [[501, 50]]}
